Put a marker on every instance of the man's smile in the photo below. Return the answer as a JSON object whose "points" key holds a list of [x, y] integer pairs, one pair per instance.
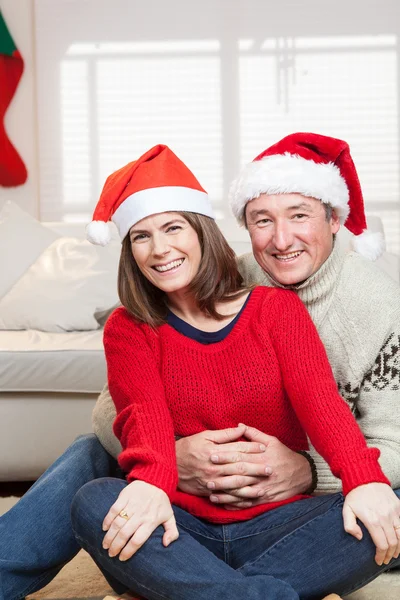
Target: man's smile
{"points": [[288, 256]]}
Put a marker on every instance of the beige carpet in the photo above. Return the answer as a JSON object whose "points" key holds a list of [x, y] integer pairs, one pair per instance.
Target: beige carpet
{"points": [[79, 580]]}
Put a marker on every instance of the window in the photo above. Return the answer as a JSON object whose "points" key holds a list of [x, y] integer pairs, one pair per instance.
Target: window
{"points": [[218, 99]]}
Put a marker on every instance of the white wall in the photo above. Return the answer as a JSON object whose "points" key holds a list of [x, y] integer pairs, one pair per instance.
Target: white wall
{"points": [[20, 120]]}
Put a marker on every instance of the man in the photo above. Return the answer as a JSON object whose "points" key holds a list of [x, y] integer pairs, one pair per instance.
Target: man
{"points": [[292, 224]]}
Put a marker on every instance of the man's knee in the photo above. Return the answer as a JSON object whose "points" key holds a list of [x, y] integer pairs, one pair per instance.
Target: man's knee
{"points": [[89, 441], [87, 451]]}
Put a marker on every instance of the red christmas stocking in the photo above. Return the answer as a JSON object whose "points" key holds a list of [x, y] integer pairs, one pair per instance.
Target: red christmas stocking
{"points": [[12, 169]]}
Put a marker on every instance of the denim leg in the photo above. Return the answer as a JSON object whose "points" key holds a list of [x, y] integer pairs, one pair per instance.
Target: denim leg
{"points": [[315, 555], [36, 537], [186, 570]]}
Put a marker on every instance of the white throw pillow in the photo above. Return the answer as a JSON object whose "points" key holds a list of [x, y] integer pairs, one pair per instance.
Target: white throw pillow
{"points": [[22, 240], [69, 282]]}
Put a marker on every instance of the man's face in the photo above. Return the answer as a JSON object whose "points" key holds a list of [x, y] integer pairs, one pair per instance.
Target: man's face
{"points": [[290, 235]]}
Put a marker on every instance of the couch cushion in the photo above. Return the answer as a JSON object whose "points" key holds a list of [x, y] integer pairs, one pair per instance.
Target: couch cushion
{"points": [[36, 361], [22, 241], [63, 290]]}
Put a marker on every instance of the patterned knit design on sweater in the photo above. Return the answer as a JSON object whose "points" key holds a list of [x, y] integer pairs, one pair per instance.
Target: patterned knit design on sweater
{"points": [[270, 372]]}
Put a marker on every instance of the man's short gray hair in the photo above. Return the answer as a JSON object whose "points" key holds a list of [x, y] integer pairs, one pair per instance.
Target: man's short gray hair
{"points": [[328, 211]]}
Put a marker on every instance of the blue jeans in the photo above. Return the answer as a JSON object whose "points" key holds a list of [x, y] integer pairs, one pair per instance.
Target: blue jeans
{"points": [[36, 537], [299, 550]]}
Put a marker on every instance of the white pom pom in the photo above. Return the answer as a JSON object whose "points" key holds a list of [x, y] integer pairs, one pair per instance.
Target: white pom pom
{"points": [[368, 244], [98, 232]]}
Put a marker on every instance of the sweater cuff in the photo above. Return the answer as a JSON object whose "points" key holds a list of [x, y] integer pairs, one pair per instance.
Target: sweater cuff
{"points": [[361, 473], [157, 475]]}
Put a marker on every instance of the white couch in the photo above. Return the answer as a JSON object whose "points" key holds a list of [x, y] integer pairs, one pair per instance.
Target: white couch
{"points": [[49, 380]]}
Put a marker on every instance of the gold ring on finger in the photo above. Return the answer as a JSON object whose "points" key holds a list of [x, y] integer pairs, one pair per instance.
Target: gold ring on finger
{"points": [[124, 514]]}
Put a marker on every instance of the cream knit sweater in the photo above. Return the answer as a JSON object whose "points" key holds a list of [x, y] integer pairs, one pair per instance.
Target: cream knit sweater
{"points": [[356, 309]]}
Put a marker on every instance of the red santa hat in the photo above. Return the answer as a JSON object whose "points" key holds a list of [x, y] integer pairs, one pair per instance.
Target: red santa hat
{"points": [[157, 182], [312, 165]]}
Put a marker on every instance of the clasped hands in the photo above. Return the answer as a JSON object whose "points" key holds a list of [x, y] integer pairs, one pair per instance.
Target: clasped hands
{"points": [[240, 474]]}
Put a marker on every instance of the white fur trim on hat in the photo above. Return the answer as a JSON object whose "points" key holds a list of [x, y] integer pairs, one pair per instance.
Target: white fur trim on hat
{"points": [[98, 232], [369, 244], [290, 174], [157, 200]]}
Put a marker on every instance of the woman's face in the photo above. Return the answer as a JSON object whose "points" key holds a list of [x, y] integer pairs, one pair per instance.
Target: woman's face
{"points": [[167, 251]]}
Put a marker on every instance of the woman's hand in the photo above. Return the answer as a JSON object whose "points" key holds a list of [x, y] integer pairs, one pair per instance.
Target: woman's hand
{"points": [[378, 508], [138, 511]]}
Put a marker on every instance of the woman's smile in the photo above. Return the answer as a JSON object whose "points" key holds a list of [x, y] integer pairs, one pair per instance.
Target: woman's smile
{"points": [[170, 267]]}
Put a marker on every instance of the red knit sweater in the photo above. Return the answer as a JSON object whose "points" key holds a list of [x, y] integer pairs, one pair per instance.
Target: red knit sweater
{"points": [[270, 372]]}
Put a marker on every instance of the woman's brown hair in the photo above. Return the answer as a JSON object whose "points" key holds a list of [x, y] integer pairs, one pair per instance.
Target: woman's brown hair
{"points": [[217, 280]]}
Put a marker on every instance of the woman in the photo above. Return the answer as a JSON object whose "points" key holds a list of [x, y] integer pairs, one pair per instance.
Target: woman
{"points": [[193, 349]]}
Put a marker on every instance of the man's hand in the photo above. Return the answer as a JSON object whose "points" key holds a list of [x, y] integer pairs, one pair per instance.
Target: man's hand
{"points": [[290, 475], [196, 467], [240, 474]]}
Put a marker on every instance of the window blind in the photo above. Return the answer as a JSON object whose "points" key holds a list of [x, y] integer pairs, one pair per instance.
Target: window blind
{"points": [[207, 87]]}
